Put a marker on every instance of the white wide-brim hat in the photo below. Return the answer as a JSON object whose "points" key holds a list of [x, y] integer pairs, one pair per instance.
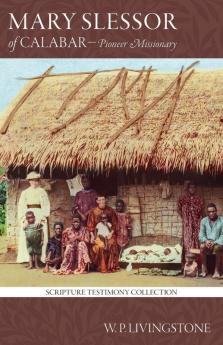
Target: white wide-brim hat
{"points": [[33, 176]]}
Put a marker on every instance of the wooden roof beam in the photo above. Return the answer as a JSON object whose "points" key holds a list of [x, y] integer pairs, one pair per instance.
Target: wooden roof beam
{"points": [[143, 98], [91, 104], [9, 118], [81, 73], [73, 93], [167, 119], [135, 80], [175, 97], [147, 108], [123, 94]]}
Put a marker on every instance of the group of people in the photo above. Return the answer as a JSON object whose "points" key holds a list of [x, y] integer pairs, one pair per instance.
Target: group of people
{"points": [[98, 232], [205, 234], [93, 241]]}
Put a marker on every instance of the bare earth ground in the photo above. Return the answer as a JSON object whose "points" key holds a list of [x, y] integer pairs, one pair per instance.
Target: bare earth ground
{"points": [[18, 275], [12, 274]]}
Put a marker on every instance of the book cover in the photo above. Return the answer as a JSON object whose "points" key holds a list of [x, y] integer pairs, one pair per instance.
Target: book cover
{"points": [[111, 206]]}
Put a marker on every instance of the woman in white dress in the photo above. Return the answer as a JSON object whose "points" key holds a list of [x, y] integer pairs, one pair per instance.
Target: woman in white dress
{"points": [[35, 199]]}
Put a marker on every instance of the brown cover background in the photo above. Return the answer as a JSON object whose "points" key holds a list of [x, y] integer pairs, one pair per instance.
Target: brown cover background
{"points": [[199, 34], [66, 321], [61, 321]]}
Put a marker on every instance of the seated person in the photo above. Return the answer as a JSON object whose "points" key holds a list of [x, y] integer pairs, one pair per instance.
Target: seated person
{"points": [[34, 238], [53, 249], [103, 230], [75, 252], [211, 239], [190, 267], [123, 231]]}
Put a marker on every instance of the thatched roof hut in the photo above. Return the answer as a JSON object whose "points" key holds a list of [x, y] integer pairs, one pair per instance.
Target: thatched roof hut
{"points": [[117, 119], [161, 128]]}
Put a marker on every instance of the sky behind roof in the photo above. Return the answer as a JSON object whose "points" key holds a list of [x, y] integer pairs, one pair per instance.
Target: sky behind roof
{"points": [[11, 69]]}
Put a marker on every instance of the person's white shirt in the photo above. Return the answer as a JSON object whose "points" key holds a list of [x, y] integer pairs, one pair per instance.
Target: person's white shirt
{"points": [[103, 229]]}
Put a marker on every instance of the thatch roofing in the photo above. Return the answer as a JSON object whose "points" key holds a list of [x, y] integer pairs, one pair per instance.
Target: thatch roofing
{"points": [[117, 119]]}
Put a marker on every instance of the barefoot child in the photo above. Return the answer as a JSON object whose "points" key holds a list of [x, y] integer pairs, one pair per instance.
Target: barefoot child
{"points": [[190, 268], [124, 227], [53, 249], [103, 230], [34, 239]]}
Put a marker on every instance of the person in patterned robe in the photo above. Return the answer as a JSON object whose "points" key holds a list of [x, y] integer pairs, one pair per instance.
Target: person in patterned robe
{"points": [[84, 200], [190, 207], [75, 254]]}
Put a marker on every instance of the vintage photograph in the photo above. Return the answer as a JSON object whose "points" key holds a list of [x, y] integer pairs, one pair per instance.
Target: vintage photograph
{"points": [[111, 172]]}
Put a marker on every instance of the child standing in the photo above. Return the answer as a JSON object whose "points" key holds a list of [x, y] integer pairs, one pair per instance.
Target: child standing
{"points": [[124, 227], [34, 239], [191, 267]]}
